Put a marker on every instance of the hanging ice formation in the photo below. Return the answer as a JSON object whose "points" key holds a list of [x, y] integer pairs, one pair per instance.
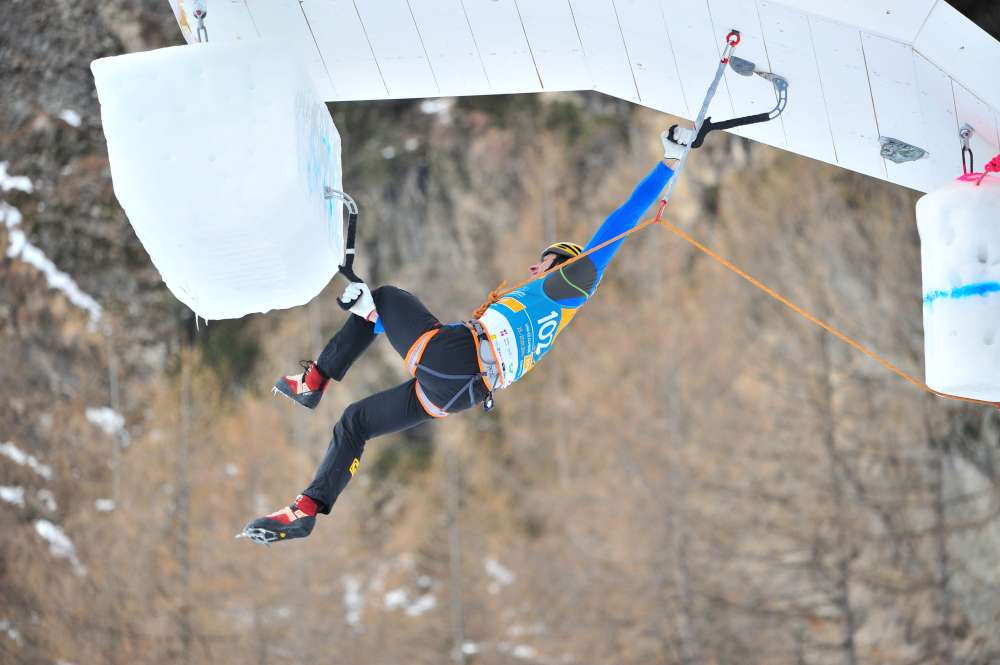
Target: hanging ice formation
{"points": [[220, 155], [959, 226]]}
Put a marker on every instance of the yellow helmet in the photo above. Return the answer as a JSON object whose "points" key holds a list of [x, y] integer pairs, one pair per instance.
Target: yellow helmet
{"points": [[563, 249]]}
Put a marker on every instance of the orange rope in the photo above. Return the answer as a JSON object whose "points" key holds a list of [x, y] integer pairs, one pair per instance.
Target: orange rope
{"points": [[498, 293], [806, 315], [494, 296]]}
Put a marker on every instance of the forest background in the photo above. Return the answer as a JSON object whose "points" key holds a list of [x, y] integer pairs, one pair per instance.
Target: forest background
{"points": [[692, 476]]}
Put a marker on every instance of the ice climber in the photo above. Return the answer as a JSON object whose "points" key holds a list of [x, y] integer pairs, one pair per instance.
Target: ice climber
{"points": [[455, 365]]}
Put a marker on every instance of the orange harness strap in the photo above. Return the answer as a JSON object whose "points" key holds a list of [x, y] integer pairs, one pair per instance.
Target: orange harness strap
{"points": [[412, 360], [417, 349]]}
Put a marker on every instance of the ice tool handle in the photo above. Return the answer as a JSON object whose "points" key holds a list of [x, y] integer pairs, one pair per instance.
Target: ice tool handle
{"points": [[747, 68], [347, 268], [732, 41]]}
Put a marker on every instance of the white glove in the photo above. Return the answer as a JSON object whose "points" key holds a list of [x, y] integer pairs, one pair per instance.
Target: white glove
{"points": [[675, 141], [365, 306]]}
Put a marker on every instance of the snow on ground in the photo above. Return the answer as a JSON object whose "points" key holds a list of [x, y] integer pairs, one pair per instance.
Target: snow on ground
{"points": [[106, 419], [395, 599], [11, 451], [14, 495], [424, 603], [8, 629], [47, 499], [20, 248], [70, 117], [104, 505], [501, 576], [18, 182], [524, 652], [519, 651], [60, 545], [354, 601], [521, 631], [399, 599]]}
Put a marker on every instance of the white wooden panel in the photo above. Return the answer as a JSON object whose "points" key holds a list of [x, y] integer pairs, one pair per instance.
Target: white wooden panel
{"points": [[937, 106], [449, 44], [228, 21], [502, 45], [844, 77], [655, 72], [790, 48], [604, 48], [697, 48], [972, 110], [749, 95], [896, 19], [963, 50], [283, 20], [397, 47], [893, 82], [555, 44], [341, 39], [996, 121]]}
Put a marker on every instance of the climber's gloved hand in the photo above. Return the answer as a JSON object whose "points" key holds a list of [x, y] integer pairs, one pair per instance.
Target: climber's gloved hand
{"points": [[365, 305], [675, 140]]}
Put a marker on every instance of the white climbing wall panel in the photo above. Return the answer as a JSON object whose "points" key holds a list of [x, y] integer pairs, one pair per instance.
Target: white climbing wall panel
{"points": [[857, 69]]}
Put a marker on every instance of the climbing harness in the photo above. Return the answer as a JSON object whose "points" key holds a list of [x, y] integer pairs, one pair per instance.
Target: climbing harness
{"points": [[489, 369], [489, 365]]}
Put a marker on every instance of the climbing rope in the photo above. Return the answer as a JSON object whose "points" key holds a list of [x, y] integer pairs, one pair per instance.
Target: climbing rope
{"points": [[500, 292], [781, 86], [847, 339]]}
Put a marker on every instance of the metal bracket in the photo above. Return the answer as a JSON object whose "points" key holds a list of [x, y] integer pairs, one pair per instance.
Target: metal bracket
{"points": [[335, 194], [200, 12], [965, 133]]}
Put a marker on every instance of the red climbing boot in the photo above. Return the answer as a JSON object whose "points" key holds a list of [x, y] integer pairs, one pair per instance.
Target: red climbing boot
{"points": [[305, 388], [295, 521]]}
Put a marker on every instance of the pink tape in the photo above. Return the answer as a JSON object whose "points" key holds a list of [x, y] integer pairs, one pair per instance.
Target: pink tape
{"points": [[992, 166]]}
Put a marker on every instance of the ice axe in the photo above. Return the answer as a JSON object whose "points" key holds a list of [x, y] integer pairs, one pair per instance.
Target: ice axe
{"points": [[347, 269], [747, 68]]}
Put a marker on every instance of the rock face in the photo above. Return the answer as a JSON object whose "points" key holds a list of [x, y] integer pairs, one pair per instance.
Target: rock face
{"points": [[694, 476]]}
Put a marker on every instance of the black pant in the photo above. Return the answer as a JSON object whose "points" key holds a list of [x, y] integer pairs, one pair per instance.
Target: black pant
{"points": [[451, 351]]}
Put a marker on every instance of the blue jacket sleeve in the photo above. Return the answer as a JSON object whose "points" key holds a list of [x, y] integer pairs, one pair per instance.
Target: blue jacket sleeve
{"points": [[627, 215]]}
